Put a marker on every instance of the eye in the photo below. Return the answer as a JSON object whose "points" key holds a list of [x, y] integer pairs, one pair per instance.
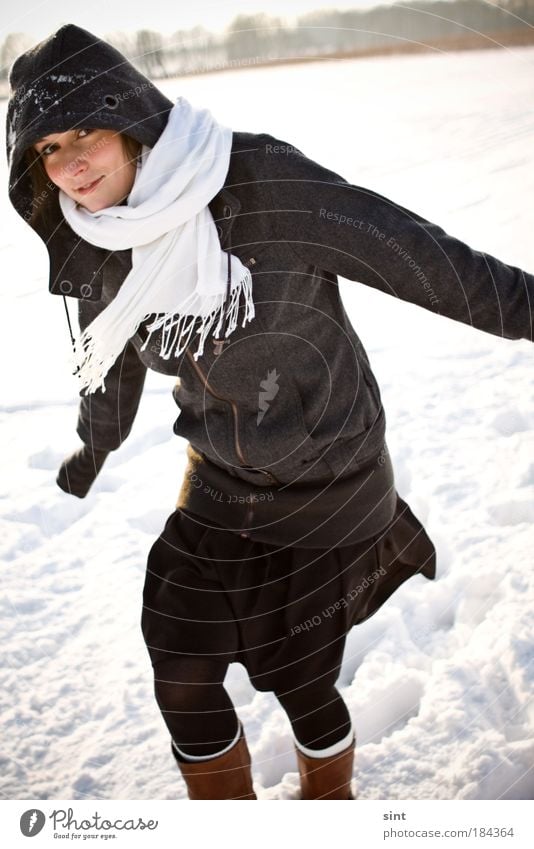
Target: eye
{"points": [[47, 150], [50, 148]]}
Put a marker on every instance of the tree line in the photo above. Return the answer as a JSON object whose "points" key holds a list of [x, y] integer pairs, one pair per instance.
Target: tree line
{"points": [[262, 38]]}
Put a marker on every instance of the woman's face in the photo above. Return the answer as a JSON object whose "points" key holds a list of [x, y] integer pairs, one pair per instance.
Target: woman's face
{"points": [[90, 166]]}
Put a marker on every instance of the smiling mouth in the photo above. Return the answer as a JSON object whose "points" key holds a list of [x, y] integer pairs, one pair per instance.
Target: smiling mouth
{"points": [[84, 190]]}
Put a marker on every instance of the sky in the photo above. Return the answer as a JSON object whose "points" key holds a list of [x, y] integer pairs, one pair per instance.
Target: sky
{"points": [[39, 19]]}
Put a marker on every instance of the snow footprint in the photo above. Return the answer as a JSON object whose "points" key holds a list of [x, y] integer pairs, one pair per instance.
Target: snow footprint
{"points": [[513, 512], [482, 597], [511, 421], [387, 696], [150, 522], [53, 517], [46, 459], [527, 479]]}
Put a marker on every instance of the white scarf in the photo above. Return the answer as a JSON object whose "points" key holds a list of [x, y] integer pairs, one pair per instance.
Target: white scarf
{"points": [[179, 271]]}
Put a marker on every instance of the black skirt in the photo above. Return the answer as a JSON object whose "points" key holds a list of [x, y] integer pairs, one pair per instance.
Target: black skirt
{"points": [[283, 613]]}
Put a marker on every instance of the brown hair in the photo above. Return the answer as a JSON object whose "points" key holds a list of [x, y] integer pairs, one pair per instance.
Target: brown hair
{"points": [[42, 185]]}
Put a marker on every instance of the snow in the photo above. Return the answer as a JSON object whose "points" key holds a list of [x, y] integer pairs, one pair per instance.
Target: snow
{"points": [[439, 682]]}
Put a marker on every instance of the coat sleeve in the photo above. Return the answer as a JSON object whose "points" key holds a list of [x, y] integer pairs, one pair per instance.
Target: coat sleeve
{"points": [[106, 418], [361, 235]]}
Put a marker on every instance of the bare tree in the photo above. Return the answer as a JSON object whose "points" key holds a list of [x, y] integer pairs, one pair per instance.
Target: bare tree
{"points": [[150, 56], [253, 36]]}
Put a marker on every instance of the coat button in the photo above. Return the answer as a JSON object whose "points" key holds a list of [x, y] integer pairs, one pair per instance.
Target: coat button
{"points": [[219, 231], [227, 211]]}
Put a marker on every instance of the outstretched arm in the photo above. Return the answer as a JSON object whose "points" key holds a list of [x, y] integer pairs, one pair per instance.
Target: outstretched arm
{"points": [[104, 418], [354, 232]]}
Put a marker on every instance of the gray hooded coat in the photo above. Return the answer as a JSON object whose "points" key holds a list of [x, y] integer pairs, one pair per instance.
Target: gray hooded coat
{"points": [[284, 421]]}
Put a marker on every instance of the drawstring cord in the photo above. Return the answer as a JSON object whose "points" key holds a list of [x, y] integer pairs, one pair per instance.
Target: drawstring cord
{"points": [[68, 321], [70, 331]]}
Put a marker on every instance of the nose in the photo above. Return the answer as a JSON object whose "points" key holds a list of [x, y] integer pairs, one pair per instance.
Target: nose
{"points": [[76, 166]]}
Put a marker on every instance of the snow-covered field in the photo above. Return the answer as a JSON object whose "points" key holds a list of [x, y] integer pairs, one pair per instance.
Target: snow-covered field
{"points": [[439, 682]]}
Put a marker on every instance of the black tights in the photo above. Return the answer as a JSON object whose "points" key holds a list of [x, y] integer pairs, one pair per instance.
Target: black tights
{"points": [[202, 720]]}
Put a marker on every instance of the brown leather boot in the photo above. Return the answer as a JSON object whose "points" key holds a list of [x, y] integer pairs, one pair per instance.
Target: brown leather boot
{"points": [[326, 778], [226, 776]]}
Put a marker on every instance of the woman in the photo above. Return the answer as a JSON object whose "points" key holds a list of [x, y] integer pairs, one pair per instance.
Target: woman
{"points": [[213, 257]]}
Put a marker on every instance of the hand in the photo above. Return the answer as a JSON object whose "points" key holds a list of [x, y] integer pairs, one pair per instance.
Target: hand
{"points": [[78, 472]]}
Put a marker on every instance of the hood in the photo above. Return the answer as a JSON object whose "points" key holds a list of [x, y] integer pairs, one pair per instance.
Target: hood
{"points": [[73, 79]]}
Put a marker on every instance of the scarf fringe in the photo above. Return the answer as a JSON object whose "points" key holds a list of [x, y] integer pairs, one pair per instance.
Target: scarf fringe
{"points": [[169, 322], [91, 366]]}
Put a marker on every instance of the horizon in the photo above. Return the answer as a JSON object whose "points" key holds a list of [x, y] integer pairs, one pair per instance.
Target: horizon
{"points": [[38, 20]]}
